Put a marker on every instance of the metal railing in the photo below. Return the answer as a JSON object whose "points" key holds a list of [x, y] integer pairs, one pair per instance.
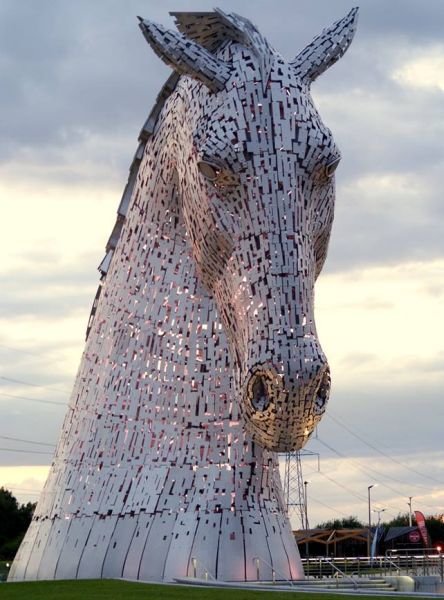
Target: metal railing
{"points": [[388, 562], [424, 561], [258, 559], [346, 567], [344, 576], [427, 562]]}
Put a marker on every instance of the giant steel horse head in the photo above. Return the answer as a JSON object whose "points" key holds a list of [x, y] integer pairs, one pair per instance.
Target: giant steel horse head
{"points": [[254, 166], [204, 314]]}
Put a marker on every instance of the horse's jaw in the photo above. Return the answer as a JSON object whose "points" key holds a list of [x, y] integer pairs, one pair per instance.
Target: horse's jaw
{"points": [[281, 374]]}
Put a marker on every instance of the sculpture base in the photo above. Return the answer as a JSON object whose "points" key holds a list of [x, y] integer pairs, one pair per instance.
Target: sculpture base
{"points": [[226, 546]]}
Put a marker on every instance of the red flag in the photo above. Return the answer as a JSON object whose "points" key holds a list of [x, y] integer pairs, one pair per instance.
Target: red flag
{"points": [[420, 521]]}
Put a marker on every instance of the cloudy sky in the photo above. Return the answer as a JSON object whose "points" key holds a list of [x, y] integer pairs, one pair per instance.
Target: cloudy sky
{"points": [[78, 80]]}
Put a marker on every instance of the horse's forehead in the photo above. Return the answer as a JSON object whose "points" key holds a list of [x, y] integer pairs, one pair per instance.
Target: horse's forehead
{"points": [[283, 88], [282, 108], [279, 107]]}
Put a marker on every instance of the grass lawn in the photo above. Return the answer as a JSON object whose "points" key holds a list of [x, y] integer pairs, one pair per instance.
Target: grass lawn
{"points": [[122, 590]]}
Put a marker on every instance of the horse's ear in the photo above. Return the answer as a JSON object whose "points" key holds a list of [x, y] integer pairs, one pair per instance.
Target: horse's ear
{"points": [[186, 56], [326, 48]]}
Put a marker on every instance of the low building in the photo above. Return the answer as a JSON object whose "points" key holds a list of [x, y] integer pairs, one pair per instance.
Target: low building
{"points": [[353, 541], [331, 542], [402, 538]]}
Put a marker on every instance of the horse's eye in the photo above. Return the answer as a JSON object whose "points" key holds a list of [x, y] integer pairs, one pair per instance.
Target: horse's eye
{"points": [[220, 178], [331, 167], [208, 170]]}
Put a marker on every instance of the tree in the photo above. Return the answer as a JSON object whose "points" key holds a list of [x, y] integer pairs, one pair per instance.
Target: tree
{"points": [[402, 520], [9, 512], [26, 512], [345, 523], [14, 521], [435, 527]]}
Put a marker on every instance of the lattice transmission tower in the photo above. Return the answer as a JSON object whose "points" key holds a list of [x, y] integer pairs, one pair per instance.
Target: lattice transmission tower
{"points": [[294, 488]]}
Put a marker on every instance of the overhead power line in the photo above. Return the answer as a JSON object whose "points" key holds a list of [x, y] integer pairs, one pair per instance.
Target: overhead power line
{"points": [[34, 399], [39, 385], [14, 439], [21, 350], [366, 469], [19, 489], [46, 356], [381, 452], [360, 497], [338, 512], [341, 485], [25, 451]]}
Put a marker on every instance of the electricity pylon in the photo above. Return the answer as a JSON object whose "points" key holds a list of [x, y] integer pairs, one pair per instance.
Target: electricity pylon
{"points": [[294, 489]]}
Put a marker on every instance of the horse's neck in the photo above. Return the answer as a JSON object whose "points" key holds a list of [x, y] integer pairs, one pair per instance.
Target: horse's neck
{"points": [[187, 350], [153, 399], [163, 354]]}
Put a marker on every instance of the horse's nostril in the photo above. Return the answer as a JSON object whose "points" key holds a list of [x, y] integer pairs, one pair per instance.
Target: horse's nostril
{"points": [[323, 391], [260, 398]]}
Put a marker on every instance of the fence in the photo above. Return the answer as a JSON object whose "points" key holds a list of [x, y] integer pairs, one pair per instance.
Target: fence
{"points": [[427, 562]]}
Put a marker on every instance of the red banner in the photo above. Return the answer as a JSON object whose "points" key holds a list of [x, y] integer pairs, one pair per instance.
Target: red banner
{"points": [[420, 521]]}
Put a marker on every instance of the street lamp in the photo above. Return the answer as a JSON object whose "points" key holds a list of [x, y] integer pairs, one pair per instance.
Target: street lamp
{"points": [[410, 510], [306, 503], [369, 517], [379, 511], [306, 516]]}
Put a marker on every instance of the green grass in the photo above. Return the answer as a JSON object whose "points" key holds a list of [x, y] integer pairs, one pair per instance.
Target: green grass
{"points": [[122, 590]]}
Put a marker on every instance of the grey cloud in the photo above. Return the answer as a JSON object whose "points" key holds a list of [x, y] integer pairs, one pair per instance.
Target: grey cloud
{"points": [[403, 416], [40, 424], [361, 239], [366, 304], [357, 359], [45, 267], [45, 305], [394, 129], [49, 289], [41, 270], [34, 376], [39, 372], [414, 20], [435, 290], [48, 292], [25, 377], [73, 69], [418, 365]]}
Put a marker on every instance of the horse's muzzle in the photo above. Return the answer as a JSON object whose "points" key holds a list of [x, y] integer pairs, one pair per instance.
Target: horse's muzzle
{"points": [[282, 409]]}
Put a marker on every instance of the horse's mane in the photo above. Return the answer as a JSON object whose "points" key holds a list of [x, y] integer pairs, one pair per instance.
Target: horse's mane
{"points": [[211, 30]]}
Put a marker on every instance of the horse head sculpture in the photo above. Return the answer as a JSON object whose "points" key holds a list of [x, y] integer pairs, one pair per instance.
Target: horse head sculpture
{"points": [[255, 171], [202, 357]]}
